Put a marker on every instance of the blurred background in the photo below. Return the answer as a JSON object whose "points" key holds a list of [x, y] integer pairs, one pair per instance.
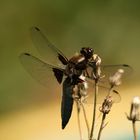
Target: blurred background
{"points": [[29, 111]]}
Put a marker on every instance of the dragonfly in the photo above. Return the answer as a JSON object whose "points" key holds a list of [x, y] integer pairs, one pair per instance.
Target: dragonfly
{"points": [[66, 71]]}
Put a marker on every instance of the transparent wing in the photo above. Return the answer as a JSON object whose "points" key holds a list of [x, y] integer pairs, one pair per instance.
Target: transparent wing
{"points": [[110, 70], [103, 92], [116, 97], [39, 70], [46, 48], [104, 86]]}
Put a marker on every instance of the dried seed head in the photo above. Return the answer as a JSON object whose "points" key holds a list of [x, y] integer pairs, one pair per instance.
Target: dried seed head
{"points": [[83, 89], [107, 104], [136, 102], [115, 80], [135, 109], [96, 59], [80, 91]]}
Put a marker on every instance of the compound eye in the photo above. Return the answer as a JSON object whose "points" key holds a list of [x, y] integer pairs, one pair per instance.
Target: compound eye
{"points": [[90, 52], [87, 52]]}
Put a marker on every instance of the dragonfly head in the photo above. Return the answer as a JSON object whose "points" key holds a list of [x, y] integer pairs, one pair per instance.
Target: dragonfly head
{"points": [[87, 52]]}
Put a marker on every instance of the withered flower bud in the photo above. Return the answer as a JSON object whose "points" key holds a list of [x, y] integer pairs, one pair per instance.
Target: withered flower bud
{"points": [[135, 109], [106, 106], [83, 86], [80, 91], [115, 80], [96, 60]]}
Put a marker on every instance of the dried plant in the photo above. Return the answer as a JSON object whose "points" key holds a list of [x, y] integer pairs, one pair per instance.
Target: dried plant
{"points": [[74, 73], [134, 115], [95, 74], [80, 95]]}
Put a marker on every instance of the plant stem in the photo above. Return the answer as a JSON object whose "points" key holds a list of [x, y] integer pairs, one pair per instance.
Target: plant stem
{"points": [[86, 120], [78, 117], [94, 109], [101, 126], [134, 130]]}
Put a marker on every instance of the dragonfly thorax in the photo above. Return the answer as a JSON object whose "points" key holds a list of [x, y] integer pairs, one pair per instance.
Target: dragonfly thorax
{"points": [[87, 52], [76, 65], [78, 62]]}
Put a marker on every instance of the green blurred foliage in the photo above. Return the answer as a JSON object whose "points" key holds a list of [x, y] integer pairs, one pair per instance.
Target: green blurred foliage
{"points": [[111, 27]]}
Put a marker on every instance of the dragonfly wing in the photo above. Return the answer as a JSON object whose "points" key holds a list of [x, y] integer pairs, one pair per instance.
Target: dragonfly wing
{"points": [[110, 70], [67, 102], [116, 97], [102, 93], [40, 70], [46, 48]]}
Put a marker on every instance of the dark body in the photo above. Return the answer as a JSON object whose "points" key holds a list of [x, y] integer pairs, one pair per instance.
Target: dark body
{"points": [[74, 67]]}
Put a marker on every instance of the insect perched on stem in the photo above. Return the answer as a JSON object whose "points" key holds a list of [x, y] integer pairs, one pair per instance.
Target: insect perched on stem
{"points": [[74, 74], [71, 68]]}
